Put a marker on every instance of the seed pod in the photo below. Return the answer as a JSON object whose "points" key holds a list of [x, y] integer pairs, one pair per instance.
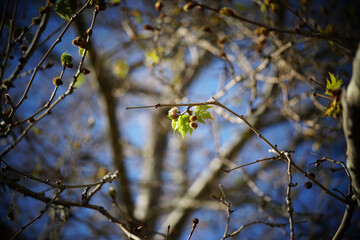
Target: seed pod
{"points": [[193, 118], [308, 185], [57, 81], [23, 48], [174, 113], [193, 125], [189, 6]]}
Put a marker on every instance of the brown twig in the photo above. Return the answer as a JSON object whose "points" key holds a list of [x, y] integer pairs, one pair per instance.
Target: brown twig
{"points": [[288, 198], [47, 206], [248, 164], [274, 148], [195, 223], [60, 98]]}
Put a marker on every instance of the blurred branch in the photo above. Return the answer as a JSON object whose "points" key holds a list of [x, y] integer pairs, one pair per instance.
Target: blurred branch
{"points": [[47, 206], [59, 99], [27, 192]]}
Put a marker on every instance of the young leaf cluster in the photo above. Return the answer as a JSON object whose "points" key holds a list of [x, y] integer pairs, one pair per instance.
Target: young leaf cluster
{"points": [[333, 89], [184, 123]]}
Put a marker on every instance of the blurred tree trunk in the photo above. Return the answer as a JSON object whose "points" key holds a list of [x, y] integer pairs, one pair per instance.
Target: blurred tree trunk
{"points": [[351, 124]]}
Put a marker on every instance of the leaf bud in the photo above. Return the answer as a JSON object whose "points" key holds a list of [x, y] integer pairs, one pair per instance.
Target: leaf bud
{"points": [[66, 59], [189, 6], [23, 48], [159, 5], [112, 192], [227, 11], [85, 71], [101, 6], [88, 32], [57, 81], [36, 20], [308, 185], [174, 113], [149, 27]]}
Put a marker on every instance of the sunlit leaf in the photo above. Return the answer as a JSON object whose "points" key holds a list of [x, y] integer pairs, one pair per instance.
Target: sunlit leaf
{"points": [[182, 125], [152, 57], [121, 69], [333, 84], [201, 112], [80, 80], [62, 8]]}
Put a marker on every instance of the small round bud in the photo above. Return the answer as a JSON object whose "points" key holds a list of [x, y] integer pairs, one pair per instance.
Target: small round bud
{"points": [[189, 6], [308, 185], [7, 84], [7, 97], [22, 60], [317, 164], [227, 11], [23, 48], [101, 6], [193, 118], [69, 65], [174, 113], [57, 81], [112, 192], [159, 5], [195, 221], [36, 20], [149, 27], [88, 32], [30, 120], [193, 125], [85, 71]]}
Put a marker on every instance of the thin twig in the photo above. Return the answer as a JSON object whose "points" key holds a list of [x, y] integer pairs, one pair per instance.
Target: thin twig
{"points": [[47, 206], [58, 40], [288, 198], [248, 164], [275, 149], [195, 222], [280, 225], [59, 99]]}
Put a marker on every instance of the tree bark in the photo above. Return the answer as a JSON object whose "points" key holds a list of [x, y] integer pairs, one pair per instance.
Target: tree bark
{"points": [[351, 125]]}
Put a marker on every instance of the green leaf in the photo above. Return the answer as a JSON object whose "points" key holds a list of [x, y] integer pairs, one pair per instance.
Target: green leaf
{"points": [[66, 59], [121, 69], [152, 56], [333, 109], [202, 114], [81, 51], [80, 80], [182, 125], [333, 84], [62, 8]]}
